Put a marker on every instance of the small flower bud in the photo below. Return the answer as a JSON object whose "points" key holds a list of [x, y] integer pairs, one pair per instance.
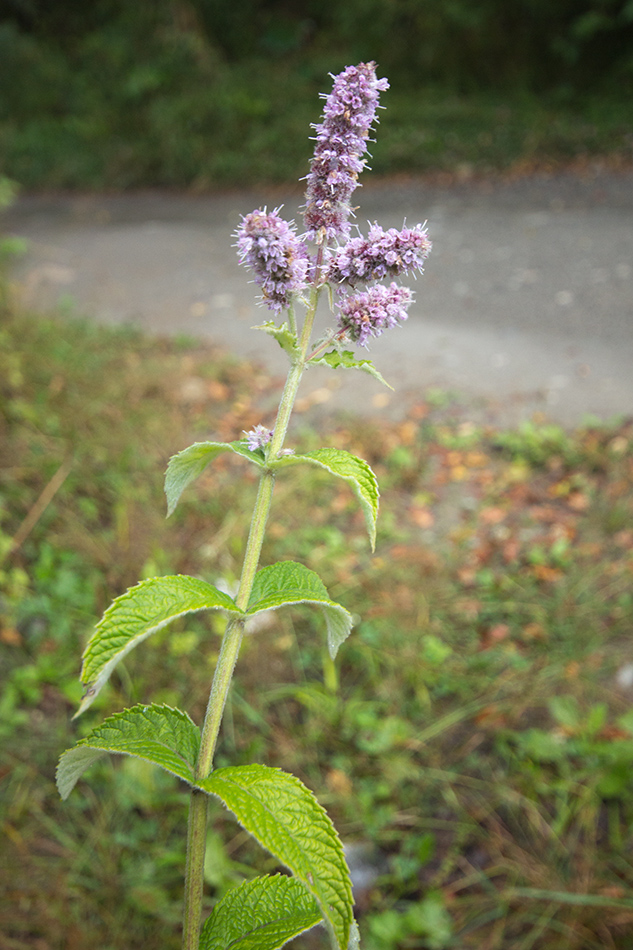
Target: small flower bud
{"points": [[258, 437]]}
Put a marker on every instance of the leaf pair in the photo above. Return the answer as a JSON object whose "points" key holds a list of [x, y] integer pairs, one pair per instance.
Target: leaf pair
{"points": [[153, 603], [273, 806], [185, 467]]}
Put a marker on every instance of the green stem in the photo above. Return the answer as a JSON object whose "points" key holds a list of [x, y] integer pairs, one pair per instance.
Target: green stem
{"points": [[231, 642], [194, 872]]}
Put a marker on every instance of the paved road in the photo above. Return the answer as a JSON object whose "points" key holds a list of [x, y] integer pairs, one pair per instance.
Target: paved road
{"points": [[527, 300]]}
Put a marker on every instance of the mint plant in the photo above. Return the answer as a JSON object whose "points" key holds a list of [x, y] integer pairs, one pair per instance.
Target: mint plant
{"points": [[273, 806]]}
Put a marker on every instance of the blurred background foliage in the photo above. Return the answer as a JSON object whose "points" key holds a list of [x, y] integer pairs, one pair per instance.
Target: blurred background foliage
{"points": [[210, 92]]}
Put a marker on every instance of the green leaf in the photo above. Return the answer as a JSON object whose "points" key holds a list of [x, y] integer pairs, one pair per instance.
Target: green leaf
{"points": [[263, 914], [345, 359], [185, 467], [135, 615], [285, 337], [356, 473], [288, 582], [286, 819], [159, 734]]}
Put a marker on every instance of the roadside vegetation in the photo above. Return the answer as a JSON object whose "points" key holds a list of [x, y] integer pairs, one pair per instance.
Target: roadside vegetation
{"points": [[206, 94], [477, 755]]}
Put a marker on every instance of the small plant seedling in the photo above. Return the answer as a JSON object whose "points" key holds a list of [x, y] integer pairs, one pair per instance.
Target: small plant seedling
{"points": [[273, 806]]}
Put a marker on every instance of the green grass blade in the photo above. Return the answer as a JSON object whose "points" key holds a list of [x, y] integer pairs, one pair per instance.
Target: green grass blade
{"points": [[263, 914], [286, 819], [159, 734], [566, 897]]}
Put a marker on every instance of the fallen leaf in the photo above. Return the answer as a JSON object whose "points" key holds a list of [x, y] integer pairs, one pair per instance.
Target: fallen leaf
{"points": [[339, 783], [578, 501], [10, 636], [422, 517], [492, 515]]}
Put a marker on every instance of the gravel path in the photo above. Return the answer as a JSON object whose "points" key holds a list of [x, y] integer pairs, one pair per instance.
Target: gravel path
{"points": [[526, 304]]}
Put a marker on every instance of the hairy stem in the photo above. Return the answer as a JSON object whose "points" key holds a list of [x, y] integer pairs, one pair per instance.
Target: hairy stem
{"points": [[231, 642]]}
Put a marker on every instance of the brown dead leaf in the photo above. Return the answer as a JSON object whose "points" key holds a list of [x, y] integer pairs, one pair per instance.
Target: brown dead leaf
{"points": [[493, 635], [467, 576], [624, 538], [339, 783], [419, 411], [421, 517], [458, 473], [578, 501], [511, 550], [407, 432], [611, 733], [545, 573], [476, 459], [492, 515], [490, 718], [534, 631], [218, 392], [10, 636]]}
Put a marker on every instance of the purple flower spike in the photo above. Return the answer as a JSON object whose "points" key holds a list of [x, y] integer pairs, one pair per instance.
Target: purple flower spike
{"points": [[377, 309], [258, 437], [270, 247], [381, 254], [341, 141]]}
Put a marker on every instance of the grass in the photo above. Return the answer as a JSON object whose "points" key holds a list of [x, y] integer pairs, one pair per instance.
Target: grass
{"points": [[473, 743]]}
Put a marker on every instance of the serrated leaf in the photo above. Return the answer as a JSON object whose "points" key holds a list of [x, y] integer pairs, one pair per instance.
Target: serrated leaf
{"points": [[288, 582], [286, 819], [263, 914], [356, 473], [159, 734], [133, 616], [345, 359], [285, 337], [187, 465]]}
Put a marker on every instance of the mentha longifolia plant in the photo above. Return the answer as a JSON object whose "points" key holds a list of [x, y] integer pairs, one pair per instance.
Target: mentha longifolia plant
{"points": [[359, 274]]}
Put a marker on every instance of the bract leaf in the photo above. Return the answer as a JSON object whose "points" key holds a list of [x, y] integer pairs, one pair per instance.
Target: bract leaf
{"points": [[356, 473], [263, 914], [135, 615], [286, 819], [159, 734], [288, 582], [345, 359], [285, 337], [185, 467]]}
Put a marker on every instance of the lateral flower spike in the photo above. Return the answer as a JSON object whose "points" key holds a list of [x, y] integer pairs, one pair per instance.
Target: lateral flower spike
{"points": [[271, 249]]}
